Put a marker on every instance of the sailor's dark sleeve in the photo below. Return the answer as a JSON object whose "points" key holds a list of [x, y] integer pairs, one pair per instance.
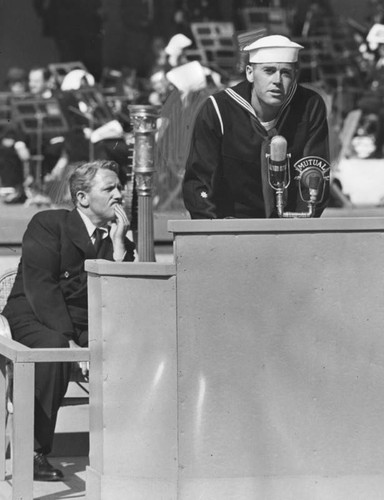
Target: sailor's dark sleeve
{"points": [[202, 163]]}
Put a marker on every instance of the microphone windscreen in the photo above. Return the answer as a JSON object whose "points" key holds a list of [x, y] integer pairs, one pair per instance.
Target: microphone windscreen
{"points": [[314, 181], [278, 148]]}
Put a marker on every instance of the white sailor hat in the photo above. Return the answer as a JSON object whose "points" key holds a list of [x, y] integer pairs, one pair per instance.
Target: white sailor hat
{"points": [[273, 48], [375, 36], [177, 43], [73, 80]]}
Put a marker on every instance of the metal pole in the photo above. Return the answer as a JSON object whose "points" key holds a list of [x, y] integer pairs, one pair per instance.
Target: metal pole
{"points": [[144, 118]]}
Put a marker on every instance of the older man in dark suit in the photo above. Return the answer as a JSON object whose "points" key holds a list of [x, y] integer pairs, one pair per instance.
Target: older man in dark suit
{"points": [[48, 303]]}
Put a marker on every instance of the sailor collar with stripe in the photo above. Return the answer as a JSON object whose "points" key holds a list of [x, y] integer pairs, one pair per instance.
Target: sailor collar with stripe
{"points": [[241, 95]]}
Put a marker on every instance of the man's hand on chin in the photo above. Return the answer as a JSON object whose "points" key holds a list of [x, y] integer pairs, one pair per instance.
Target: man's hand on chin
{"points": [[119, 229]]}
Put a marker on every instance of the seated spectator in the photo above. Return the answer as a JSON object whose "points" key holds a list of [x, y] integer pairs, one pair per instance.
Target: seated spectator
{"points": [[13, 156], [175, 50], [372, 102], [93, 132], [129, 86], [160, 87], [48, 305], [40, 82], [17, 81], [51, 150], [102, 141], [159, 56]]}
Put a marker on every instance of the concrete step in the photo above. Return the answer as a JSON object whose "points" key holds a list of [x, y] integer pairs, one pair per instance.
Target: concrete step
{"points": [[72, 487]]}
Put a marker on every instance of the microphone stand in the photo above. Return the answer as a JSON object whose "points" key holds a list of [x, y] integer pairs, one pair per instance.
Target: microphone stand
{"points": [[312, 177], [279, 179], [294, 215]]}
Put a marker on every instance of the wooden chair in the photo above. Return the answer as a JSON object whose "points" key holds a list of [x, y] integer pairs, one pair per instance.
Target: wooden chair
{"points": [[17, 376], [274, 19], [6, 284], [215, 41]]}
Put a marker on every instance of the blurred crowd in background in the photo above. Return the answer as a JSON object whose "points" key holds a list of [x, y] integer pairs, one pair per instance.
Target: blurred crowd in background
{"points": [[74, 109]]}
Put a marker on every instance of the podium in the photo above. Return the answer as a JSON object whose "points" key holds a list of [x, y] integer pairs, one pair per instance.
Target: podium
{"points": [[251, 369]]}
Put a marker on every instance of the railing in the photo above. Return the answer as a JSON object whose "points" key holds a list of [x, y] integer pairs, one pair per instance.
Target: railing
{"points": [[23, 359]]}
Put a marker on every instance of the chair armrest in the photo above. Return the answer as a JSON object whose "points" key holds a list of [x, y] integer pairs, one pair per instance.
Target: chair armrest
{"points": [[19, 353]]}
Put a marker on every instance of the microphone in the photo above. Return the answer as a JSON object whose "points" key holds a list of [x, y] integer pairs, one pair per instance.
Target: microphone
{"points": [[278, 167], [312, 179], [313, 173]]}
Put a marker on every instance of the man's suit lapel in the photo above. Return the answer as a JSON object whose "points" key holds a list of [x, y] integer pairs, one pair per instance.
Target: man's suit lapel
{"points": [[78, 234]]}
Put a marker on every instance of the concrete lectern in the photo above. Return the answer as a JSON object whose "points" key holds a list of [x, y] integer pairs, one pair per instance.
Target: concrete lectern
{"points": [[251, 369]]}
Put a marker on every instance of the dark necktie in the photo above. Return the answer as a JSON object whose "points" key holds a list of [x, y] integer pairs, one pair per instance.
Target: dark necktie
{"points": [[98, 234]]}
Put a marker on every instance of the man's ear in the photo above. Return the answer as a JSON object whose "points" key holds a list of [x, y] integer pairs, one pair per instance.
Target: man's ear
{"points": [[249, 73], [82, 199]]}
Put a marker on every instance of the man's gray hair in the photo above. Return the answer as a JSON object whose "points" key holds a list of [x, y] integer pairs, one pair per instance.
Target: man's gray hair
{"points": [[82, 177]]}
